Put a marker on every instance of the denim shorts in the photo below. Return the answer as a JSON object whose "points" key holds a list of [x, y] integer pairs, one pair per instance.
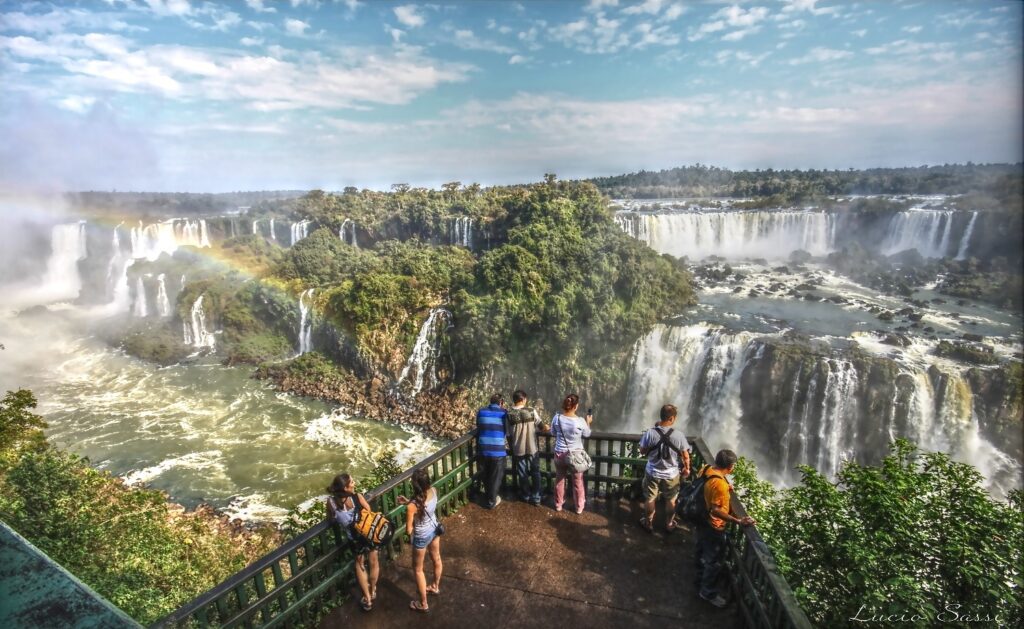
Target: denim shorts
{"points": [[419, 543]]}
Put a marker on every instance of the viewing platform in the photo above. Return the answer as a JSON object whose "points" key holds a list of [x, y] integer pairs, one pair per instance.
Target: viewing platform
{"points": [[519, 565], [516, 565]]}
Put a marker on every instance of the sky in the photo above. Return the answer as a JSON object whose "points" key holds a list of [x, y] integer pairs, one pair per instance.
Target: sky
{"points": [[213, 96]]}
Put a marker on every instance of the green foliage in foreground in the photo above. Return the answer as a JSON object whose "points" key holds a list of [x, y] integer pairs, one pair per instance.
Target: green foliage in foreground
{"points": [[917, 534], [125, 543]]}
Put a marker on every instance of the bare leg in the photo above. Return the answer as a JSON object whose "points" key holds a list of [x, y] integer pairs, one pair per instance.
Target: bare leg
{"points": [[435, 558], [374, 573], [364, 585], [418, 557]]}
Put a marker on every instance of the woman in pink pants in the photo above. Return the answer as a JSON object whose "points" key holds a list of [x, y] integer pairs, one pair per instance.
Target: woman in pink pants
{"points": [[569, 431]]}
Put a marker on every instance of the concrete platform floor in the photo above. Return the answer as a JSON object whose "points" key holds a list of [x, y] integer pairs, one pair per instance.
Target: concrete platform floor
{"points": [[520, 565]]}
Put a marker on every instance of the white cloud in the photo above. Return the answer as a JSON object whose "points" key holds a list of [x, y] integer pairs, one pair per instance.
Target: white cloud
{"points": [[281, 81], [408, 16], [651, 7], [741, 56], [674, 11], [295, 27], [821, 55], [251, 41], [467, 40], [170, 7], [517, 60], [598, 5], [601, 36], [396, 33], [78, 104], [860, 32], [659, 36], [258, 6], [809, 6], [745, 20], [912, 29], [59, 20]]}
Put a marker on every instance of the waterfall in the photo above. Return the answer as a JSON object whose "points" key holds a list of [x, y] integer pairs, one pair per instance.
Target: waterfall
{"points": [[256, 227], [151, 241], [299, 231], [139, 307], [818, 404], [426, 351], [461, 232], [347, 232], [928, 231], [163, 305], [273, 235], [67, 246], [195, 330], [117, 274], [305, 322], [732, 234], [965, 241]]}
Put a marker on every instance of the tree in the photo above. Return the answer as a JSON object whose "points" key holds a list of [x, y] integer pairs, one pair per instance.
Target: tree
{"points": [[19, 426]]}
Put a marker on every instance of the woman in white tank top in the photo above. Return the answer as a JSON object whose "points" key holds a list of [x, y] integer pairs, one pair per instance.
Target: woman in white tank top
{"points": [[423, 527]]}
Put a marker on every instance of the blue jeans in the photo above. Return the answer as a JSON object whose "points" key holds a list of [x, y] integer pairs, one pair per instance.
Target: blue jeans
{"points": [[528, 476], [710, 556]]}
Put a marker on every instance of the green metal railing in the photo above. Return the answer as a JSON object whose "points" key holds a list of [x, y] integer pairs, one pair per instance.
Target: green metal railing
{"points": [[295, 584]]}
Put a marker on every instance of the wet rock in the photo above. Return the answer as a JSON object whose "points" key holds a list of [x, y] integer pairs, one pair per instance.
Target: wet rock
{"points": [[811, 297], [781, 269], [906, 311], [738, 289], [805, 286], [838, 299], [929, 329], [977, 338], [886, 316], [938, 300], [897, 340], [915, 316]]}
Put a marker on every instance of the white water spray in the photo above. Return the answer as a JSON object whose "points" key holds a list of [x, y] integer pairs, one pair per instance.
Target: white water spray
{"points": [[426, 351]]}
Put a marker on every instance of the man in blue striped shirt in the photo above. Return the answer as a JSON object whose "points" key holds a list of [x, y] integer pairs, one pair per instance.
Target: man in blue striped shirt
{"points": [[490, 437]]}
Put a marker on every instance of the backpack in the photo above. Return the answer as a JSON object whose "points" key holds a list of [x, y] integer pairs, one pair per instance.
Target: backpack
{"points": [[665, 447], [372, 528], [691, 505]]}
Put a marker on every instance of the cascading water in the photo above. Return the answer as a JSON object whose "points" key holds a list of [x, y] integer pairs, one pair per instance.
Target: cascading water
{"points": [[67, 246], [256, 227], [347, 232], [299, 230], [815, 403], [965, 241], [273, 234], [305, 322], [426, 351], [461, 232], [151, 241], [163, 305], [195, 330], [732, 234], [928, 231], [139, 307]]}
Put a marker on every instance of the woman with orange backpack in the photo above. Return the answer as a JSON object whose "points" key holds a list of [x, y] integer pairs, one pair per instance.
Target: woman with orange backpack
{"points": [[341, 508]]}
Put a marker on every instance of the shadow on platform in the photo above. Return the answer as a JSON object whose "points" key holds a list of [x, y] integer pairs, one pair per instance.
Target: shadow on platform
{"points": [[520, 565]]}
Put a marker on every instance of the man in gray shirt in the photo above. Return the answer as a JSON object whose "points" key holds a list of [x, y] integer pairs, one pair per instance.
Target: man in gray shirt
{"points": [[667, 452], [523, 424]]}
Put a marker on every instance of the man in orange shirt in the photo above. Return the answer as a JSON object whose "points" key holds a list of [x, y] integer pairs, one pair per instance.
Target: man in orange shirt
{"points": [[711, 535]]}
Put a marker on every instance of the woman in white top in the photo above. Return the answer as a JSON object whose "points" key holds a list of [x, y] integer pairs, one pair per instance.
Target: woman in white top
{"points": [[422, 526], [341, 508], [569, 430]]}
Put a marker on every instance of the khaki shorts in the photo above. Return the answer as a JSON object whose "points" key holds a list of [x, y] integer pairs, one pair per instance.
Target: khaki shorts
{"points": [[653, 486]]}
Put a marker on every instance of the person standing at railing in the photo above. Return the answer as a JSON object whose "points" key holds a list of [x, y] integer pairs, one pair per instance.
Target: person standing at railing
{"points": [[341, 508], [523, 424], [711, 536], [569, 431], [668, 453], [422, 526], [491, 423]]}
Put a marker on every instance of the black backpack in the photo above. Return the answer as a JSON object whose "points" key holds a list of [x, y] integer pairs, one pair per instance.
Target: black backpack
{"points": [[691, 505], [665, 447]]}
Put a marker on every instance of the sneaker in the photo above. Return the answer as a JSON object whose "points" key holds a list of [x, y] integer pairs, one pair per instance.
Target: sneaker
{"points": [[497, 501], [716, 600]]}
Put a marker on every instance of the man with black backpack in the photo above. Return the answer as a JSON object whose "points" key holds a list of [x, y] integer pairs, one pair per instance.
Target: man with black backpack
{"points": [[667, 452]]}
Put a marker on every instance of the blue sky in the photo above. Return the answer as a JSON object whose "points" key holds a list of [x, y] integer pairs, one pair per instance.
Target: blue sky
{"points": [[229, 95]]}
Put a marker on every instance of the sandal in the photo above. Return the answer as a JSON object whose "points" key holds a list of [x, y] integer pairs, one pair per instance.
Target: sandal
{"points": [[416, 607], [433, 589], [373, 594], [671, 526], [646, 524], [365, 604]]}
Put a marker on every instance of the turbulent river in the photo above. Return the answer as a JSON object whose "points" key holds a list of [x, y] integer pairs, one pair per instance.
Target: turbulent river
{"points": [[200, 431]]}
